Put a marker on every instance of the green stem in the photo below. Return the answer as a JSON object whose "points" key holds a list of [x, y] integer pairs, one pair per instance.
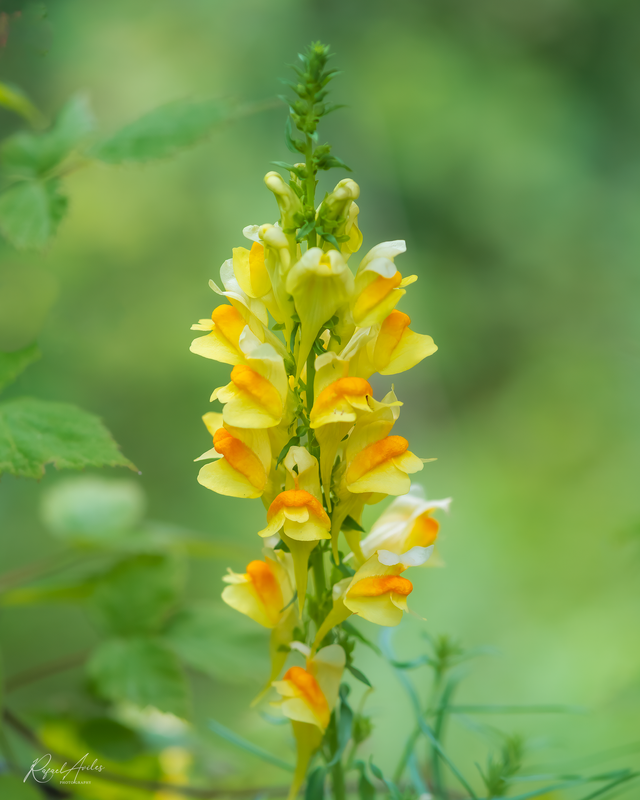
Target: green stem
{"points": [[417, 731], [310, 186], [318, 573], [438, 732], [337, 770]]}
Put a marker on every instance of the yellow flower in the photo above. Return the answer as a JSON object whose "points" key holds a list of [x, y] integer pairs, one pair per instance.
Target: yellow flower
{"points": [[251, 271], [244, 459], [258, 392], [339, 401], [252, 309], [378, 284], [388, 348], [298, 515], [309, 695], [405, 524], [222, 344], [288, 201], [264, 593], [378, 593], [320, 284], [377, 462]]}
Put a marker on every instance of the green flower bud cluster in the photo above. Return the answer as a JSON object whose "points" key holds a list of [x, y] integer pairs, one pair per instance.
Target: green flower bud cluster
{"points": [[305, 112]]}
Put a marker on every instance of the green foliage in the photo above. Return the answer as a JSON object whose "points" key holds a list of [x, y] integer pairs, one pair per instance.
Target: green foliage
{"points": [[111, 739], [14, 788], [91, 509], [140, 670], [34, 433], [12, 364], [249, 747], [27, 215], [31, 155], [14, 99], [136, 596], [162, 133], [215, 643]]}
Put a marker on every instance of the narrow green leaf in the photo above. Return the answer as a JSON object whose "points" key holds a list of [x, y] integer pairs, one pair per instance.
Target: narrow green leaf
{"points": [[359, 675], [12, 364], [353, 631], [141, 671], [162, 132], [393, 789], [315, 784], [366, 790], [34, 433], [25, 215], [350, 524], [515, 709], [416, 778], [249, 747]]}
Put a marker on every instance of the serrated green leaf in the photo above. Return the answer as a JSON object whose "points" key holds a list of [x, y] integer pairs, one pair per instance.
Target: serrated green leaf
{"points": [[162, 132], [28, 154], [25, 215], [34, 433], [91, 509], [12, 364], [141, 671], [137, 594], [111, 739]]}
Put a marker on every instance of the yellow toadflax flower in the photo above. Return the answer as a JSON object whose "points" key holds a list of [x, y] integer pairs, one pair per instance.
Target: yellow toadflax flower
{"points": [[297, 514], [309, 695], [222, 344], [264, 593], [405, 524], [320, 284], [389, 348], [257, 395], [244, 459], [378, 284]]}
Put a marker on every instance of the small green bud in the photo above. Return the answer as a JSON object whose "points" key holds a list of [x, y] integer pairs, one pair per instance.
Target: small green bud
{"points": [[361, 728]]}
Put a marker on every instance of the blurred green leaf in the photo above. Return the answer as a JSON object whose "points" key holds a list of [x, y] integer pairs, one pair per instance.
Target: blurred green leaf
{"points": [[366, 790], [14, 788], [30, 155], [141, 671], [34, 433], [238, 741], [359, 675], [162, 132], [136, 595], [25, 215], [12, 364], [111, 739], [50, 593], [16, 100], [218, 644], [90, 509]]}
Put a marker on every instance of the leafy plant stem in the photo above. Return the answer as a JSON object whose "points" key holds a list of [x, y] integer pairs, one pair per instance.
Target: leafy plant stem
{"points": [[337, 770], [436, 763], [310, 186]]}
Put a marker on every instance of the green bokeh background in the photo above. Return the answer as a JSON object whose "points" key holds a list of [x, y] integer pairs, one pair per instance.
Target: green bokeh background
{"points": [[499, 139]]}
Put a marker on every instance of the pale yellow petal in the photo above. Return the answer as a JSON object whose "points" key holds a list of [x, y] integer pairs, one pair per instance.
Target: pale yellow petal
{"points": [[221, 477], [410, 350], [244, 598]]}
